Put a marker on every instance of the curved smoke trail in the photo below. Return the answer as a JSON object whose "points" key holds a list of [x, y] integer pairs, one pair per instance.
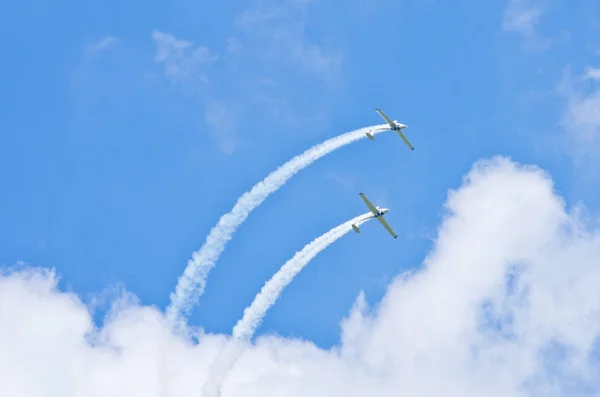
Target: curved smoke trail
{"points": [[254, 314], [268, 295], [191, 284]]}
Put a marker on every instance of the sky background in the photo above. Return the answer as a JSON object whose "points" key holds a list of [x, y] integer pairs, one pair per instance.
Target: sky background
{"points": [[129, 128]]}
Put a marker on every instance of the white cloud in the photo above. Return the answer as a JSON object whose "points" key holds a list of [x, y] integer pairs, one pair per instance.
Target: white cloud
{"points": [[593, 73], [181, 59], [582, 115], [522, 17], [222, 119], [102, 45], [267, 61], [233, 45], [506, 304], [186, 64], [276, 33], [281, 64]]}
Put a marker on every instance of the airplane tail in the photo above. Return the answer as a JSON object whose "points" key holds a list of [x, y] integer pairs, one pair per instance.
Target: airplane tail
{"points": [[355, 227], [371, 137]]}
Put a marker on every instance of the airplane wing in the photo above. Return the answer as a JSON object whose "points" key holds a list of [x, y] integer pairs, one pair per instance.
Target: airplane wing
{"points": [[386, 118], [387, 226], [399, 131], [368, 203], [405, 139]]}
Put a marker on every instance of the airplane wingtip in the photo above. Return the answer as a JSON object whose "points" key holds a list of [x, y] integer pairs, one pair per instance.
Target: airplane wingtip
{"points": [[395, 236], [360, 194]]}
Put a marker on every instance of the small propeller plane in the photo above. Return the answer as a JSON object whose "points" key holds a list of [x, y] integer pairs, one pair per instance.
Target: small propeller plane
{"points": [[377, 213], [394, 126]]}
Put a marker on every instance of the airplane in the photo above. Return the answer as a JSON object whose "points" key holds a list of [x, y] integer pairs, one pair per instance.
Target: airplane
{"points": [[394, 126], [377, 213]]}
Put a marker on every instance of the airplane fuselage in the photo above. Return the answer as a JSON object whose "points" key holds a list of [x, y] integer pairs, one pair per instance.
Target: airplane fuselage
{"points": [[377, 213], [381, 212], [397, 126]]}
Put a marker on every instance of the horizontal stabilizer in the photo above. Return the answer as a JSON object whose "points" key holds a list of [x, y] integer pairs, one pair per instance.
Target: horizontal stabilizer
{"points": [[355, 227], [371, 137]]}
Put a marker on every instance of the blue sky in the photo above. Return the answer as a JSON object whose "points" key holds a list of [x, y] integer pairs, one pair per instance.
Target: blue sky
{"points": [[116, 159]]}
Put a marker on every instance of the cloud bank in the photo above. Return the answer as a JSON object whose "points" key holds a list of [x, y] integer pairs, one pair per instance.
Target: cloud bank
{"points": [[506, 304], [246, 327]]}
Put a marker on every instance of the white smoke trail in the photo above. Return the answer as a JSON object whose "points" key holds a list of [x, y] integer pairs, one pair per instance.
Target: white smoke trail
{"points": [[270, 292], [254, 314], [191, 284]]}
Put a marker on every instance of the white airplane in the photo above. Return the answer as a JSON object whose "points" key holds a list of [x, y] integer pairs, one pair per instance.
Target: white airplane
{"points": [[394, 126], [377, 213]]}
